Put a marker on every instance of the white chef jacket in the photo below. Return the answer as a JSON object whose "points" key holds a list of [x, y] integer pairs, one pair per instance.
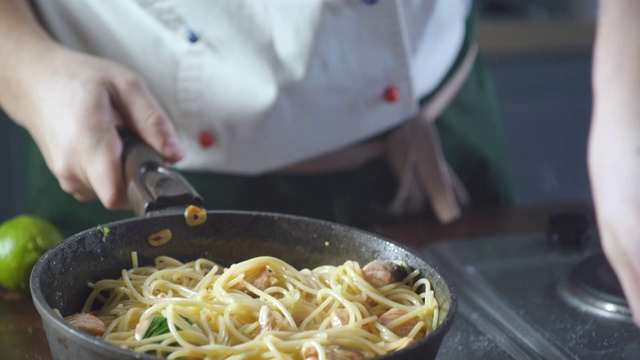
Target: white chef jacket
{"points": [[253, 86]]}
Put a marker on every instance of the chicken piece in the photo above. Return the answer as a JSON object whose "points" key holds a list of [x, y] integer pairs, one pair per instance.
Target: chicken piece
{"points": [[379, 273], [261, 279], [339, 317], [331, 353], [265, 318], [87, 323], [404, 328], [258, 277]]}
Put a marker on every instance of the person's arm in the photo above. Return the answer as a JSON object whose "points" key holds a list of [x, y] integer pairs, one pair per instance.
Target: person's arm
{"points": [[614, 144], [72, 104]]}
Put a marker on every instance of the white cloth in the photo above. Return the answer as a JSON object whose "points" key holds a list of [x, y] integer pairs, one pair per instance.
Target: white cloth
{"points": [[276, 82]]}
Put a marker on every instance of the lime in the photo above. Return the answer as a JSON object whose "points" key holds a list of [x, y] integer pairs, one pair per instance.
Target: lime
{"points": [[23, 239]]}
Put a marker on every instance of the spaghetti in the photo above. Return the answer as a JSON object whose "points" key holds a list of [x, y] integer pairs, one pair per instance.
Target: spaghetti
{"points": [[262, 308]]}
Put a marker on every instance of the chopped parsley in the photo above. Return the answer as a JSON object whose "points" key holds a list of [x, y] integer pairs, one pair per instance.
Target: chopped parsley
{"points": [[158, 325], [105, 232]]}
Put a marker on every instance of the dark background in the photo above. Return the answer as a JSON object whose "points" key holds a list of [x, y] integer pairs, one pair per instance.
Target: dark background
{"points": [[540, 55]]}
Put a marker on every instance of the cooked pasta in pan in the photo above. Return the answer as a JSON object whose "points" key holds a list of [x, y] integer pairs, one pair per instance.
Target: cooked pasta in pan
{"points": [[262, 308]]}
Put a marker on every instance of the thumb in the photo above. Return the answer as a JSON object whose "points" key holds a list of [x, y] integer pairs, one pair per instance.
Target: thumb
{"points": [[145, 117]]}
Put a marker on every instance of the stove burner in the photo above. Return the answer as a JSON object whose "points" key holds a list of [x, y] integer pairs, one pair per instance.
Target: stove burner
{"points": [[592, 286]]}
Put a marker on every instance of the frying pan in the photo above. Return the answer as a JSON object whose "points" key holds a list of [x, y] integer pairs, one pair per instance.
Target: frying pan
{"points": [[159, 196]]}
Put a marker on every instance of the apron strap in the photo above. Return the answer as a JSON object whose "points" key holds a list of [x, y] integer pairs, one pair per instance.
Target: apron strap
{"points": [[415, 155]]}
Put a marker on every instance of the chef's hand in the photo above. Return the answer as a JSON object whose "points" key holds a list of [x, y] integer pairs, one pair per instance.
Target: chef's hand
{"points": [[615, 178], [614, 144], [73, 105]]}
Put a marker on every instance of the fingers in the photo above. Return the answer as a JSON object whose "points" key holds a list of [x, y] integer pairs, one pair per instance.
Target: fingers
{"points": [[75, 187], [126, 103], [621, 247], [628, 275], [77, 129], [133, 106], [142, 113], [92, 169], [104, 172]]}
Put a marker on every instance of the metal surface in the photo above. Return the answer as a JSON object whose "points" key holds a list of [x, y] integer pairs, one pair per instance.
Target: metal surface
{"points": [[150, 185], [509, 307], [593, 286], [59, 279]]}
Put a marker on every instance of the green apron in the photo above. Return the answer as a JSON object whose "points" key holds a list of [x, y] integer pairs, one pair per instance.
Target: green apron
{"points": [[470, 131]]}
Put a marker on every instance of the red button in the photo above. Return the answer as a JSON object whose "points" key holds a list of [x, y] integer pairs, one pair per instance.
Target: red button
{"points": [[391, 94], [206, 139]]}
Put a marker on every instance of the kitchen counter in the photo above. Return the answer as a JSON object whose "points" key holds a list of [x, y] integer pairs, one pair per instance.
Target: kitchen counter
{"points": [[22, 336]]}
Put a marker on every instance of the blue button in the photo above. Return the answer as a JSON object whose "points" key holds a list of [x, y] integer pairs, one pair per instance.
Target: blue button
{"points": [[370, 2], [191, 36]]}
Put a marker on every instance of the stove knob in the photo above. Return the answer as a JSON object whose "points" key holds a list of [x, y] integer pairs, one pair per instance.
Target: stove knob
{"points": [[570, 230]]}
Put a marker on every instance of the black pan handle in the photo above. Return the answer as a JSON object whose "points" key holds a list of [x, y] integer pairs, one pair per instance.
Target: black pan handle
{"points": [[151, 186]]}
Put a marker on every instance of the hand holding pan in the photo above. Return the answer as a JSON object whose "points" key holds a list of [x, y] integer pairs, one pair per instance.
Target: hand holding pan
{"points": [[159, 196]]}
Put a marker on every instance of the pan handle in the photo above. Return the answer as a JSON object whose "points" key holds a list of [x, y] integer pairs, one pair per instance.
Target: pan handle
{"points": [[151, 186]]}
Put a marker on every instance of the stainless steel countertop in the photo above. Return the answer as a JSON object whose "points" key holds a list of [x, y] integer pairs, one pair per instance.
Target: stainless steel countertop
{"points": [[510, 308]]}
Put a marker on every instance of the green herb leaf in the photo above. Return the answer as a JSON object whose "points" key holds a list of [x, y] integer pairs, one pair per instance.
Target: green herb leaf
{"points": [[105, 232], [159, 325]]}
